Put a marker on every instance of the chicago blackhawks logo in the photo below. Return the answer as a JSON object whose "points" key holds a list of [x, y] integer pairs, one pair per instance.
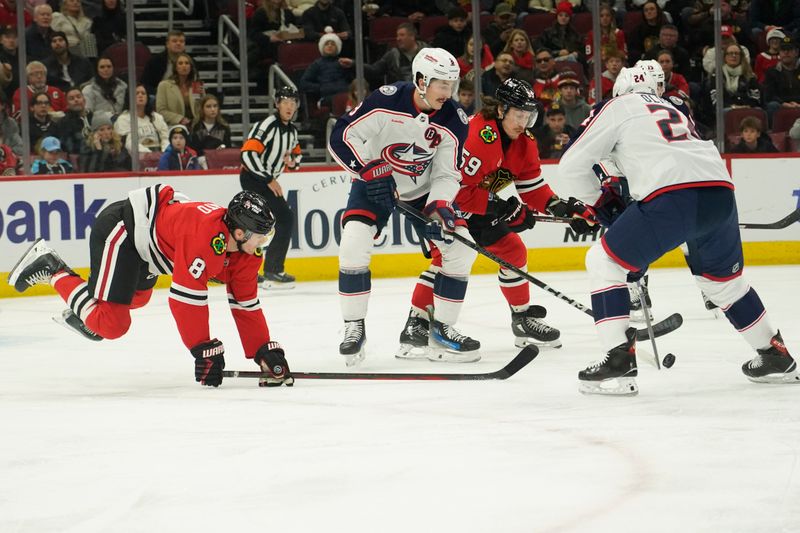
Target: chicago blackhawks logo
{"points": [[487, 134], [497, 181], [218, 244], [407, 159]]}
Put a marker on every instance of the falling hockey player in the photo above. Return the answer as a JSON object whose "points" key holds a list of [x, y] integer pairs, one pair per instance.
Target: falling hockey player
{"points": [[682, 193], [151, 233], [406, 139], [499, 151]]}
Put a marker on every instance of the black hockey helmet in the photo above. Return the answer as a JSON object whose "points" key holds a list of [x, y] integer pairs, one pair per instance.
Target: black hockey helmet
{"points": [[519, 94], [286, 92], [248, 211]]}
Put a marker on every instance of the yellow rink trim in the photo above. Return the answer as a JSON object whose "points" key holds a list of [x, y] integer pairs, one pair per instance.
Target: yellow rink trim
{"points": [[539, 260]]}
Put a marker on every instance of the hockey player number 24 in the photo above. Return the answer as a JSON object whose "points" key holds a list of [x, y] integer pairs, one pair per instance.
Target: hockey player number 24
{"points": [[671, 125]]}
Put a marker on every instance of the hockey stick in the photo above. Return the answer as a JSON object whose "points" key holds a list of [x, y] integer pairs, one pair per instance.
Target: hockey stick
{"points": [[785, 222], [648, 322], [668, 325], [525, 356]]}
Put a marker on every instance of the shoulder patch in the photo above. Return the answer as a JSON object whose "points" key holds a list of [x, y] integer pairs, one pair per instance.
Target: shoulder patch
{"points": [[674, 100], [388, 90], [218, 244], [259, 252], [487, 134], [530, 135], [462, 115]]}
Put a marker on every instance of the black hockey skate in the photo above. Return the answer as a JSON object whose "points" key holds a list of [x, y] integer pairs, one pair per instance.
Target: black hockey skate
{"points": [[414, 338], [528, 329], [72, 322], [615, 374], [39, 264], [277, 281], [352, 347], [772, 365], [446, 344], [637, 309]]}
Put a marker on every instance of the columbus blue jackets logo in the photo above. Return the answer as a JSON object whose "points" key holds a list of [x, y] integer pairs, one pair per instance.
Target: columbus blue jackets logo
{"points": [[218, 244], [408, 159]]}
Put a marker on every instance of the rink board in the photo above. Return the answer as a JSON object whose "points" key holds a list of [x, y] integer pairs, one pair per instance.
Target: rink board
{"points": [[62, 210]]}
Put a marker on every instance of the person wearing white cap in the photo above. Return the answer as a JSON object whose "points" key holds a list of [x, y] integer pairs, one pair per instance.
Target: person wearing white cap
{"points": [[51, 163], [769, 57], [326, 76]]}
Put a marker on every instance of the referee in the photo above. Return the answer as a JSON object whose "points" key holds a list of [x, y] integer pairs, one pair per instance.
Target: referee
{"points": [[270, 147]]}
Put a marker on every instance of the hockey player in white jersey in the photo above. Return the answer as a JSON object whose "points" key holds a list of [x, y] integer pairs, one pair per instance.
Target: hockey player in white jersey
{"points": [[406, 140], [682, 193]]}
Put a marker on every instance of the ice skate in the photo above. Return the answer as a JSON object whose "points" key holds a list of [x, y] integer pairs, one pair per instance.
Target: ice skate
{"points": [[446, 344], [39, 264], [72, 322], [414, 338], [615, 374], [352, 347], [277, 281], [772, 365], [637, 309], [711, 306], [528, 329]]}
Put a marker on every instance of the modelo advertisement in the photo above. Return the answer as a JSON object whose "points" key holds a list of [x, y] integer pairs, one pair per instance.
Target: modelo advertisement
{"points": [[63, 210]]}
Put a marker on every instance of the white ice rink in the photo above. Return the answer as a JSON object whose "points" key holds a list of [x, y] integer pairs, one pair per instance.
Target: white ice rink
{"points": [[116, 436]]}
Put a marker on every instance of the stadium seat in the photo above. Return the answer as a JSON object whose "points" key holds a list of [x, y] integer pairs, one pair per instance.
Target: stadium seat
{"points": [[535, 24], [297, 56], [779, 140], [118, 53], [429, 25], [784, 118], [632, 20], [227, 158], [339, 104], [383, 30], [733, 118], [582, 22]]}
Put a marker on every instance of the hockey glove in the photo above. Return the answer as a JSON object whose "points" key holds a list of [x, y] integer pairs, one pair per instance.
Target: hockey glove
{"points": [[209, 362], [270, 358], [442, 221], [583, 218], [614, 196], [377, 174], [517, 215]]}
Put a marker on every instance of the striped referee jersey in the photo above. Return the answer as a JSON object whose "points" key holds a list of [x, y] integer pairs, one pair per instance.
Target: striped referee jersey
{"points": [[266, 145]]}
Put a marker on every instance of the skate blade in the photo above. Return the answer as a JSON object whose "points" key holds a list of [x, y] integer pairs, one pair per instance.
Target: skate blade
{"points": [[275, 286], [409, 351], [521, 342], [610, 387], [443, 355], [788, 377], [34, 250], [354, 360], [70, 321]]}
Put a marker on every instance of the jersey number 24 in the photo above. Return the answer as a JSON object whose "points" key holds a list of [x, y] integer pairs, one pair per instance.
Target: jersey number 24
{"points": [[674, 127]]}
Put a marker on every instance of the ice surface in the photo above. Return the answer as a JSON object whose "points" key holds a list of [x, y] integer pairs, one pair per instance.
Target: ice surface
{"points": [[117, 436]]}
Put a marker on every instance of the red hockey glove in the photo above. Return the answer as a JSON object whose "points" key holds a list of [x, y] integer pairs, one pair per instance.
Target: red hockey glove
{"points": [[442, 221], [377, 174], [584, 220], [209, 362], [272, 361]]}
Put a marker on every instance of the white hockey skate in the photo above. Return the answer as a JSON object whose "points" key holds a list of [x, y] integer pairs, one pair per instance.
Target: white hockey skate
{"points": [[36, 267], [352, 347], [72, 322]]}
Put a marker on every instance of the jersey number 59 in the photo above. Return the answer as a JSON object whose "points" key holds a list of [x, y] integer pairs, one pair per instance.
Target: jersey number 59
{"points": [[471, 163]]}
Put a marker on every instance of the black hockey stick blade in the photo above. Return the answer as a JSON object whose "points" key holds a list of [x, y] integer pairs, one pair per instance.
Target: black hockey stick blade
{"points": [[668, 325], [525, 356], [785, 222]]}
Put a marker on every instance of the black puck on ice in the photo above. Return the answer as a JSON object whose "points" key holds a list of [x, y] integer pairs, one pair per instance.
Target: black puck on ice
{"points": [[668, 360]]}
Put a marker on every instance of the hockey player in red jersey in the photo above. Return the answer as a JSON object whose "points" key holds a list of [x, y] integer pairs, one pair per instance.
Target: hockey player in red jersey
{"points": [[154, 232]]}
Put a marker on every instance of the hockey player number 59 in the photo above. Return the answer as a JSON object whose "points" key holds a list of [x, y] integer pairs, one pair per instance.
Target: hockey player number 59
{"points": [[471, 164], [671, 125]]}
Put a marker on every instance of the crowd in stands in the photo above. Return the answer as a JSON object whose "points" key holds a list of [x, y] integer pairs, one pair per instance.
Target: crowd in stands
{"points": [[79, 114]]}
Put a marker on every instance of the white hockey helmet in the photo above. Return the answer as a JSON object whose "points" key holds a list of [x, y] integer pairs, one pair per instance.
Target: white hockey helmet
{"points": [[435, 64], [635, 79], [655, 69]]}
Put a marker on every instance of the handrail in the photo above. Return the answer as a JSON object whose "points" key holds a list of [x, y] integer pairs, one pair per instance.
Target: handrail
{"points": [[187, 9], [225, 22]]}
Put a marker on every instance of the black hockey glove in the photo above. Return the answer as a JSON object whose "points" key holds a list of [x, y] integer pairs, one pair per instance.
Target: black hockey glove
{"points": [[209, 362], [614, 196], [377, 174], [516, 214], [442, 221], [270, 358], [583, 218]]}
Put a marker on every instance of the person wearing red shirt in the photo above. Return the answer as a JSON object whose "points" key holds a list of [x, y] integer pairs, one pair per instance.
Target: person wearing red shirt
{"points": [[674, 83], [37, 78], [769, 58], [611, 37]]}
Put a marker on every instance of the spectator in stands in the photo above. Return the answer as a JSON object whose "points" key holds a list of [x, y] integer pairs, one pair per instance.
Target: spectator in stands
{"points": [[782, 82], [298, 7], [453, 37], [611, 37], [465, 60], [8, 14], [37, 83], [413, 10], [9, 131], [178, 155], [50, 163], [553, 137], [614, 63], [78, 28], [8, 61], [320, 16], [541, 6], [75, 129], [326, 76], [177, 97], [519, 46], [10, 163], [272, 24], [768, 58], [151, 128], [497, 32], [674, 83], [105, 93], [646, 34], [65, 70], [395, 64], [110, 26], [739, 85], [40, 122], [106, 152], [710, 54], [353, 99], [210, 131], [668, 40], [754, 140], [494, 77], [37, 36], [575, 107], [562, 39], [733, 22], [466, 96], [545, 82], [766, 13], [159, 67]]}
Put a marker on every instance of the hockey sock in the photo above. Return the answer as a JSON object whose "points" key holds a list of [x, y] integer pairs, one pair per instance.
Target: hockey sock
{"points": [[611, 309], [354, 289], [141, 298], [109, 320], [423, 291], [448, 295], [514, 287], [75, 292], [749, 317]]}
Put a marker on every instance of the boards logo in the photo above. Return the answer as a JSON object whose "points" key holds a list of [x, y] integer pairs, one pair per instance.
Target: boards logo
{"points": [[407, 159], [218, 244]]}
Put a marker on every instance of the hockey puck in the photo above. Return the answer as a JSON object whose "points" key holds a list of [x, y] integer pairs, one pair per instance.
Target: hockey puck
{"points": [[668, 360]]}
